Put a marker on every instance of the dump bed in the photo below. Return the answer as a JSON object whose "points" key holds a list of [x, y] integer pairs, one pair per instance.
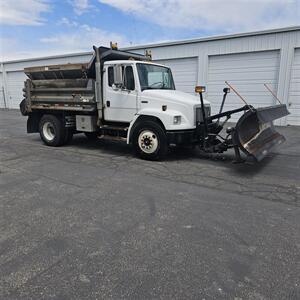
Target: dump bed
{"points": [[61, 87], [63, 71], [68, 86]]}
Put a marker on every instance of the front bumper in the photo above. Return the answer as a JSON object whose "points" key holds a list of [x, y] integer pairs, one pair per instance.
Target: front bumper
{"points": [[193, 136], [182, 137]]}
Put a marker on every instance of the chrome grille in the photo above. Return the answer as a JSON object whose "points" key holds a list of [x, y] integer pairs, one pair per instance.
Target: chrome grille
{"points": [[199, 113]]}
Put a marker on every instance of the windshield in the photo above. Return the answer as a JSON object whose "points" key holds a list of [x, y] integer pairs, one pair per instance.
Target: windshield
{"points": [[155, 77]]}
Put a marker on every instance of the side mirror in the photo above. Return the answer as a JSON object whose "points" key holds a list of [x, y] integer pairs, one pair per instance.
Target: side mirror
{"points": [[118, 78]]}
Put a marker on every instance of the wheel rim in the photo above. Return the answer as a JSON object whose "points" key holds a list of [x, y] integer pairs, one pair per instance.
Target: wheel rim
{"points": [[48, 131], [148, 141]]}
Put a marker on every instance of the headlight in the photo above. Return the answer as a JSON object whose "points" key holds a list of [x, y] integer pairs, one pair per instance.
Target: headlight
{"points": [[177, 120]]}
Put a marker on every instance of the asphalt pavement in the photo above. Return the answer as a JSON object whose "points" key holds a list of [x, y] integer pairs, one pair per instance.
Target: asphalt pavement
{"points": [[91, 221]]}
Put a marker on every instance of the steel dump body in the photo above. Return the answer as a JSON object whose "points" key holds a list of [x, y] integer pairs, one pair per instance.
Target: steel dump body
{"points": [[60, 87], [69, 87]]}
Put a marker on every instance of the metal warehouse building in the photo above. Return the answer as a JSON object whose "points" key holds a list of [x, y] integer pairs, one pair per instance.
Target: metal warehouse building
{"points": [[246, 60]]}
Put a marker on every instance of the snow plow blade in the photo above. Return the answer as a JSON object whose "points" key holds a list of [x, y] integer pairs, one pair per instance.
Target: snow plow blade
{"points": [[254, 132]]}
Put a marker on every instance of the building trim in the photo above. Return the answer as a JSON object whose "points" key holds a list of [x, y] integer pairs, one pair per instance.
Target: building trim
{"points": [[47, 57], [164, 44], [4, 87], [214, 38]]}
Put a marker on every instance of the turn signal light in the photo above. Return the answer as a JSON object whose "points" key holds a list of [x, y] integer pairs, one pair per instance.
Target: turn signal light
{"points": [[200, 89], [177, 120]]}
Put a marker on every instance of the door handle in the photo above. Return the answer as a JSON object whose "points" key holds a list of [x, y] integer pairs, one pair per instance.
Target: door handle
{"points": [[108, 103]]}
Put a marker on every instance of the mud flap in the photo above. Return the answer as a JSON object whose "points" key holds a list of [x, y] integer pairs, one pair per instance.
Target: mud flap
{"points": [[255, 134]]}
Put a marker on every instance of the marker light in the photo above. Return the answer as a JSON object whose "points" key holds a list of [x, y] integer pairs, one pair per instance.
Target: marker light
{"points": [[200, 89], [177, 120], [114, 46]]}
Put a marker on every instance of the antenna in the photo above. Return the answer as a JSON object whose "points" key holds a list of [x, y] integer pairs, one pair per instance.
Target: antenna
{"points": [[273, 94], [238, 94]]}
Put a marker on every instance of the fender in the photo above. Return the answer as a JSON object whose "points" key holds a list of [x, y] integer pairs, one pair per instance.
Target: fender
{"points": [[165, 117]]}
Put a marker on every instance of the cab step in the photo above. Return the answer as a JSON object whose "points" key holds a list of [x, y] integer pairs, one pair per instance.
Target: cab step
{"points": [[114, 132], [113, 138], [114, 128]]}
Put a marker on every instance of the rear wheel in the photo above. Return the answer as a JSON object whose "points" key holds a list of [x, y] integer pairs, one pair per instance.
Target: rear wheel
{"points": [[52, 131], [150, 141]]}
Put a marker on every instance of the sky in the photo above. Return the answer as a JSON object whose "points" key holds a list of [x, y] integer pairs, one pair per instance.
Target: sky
{"points": [[36, 28]]}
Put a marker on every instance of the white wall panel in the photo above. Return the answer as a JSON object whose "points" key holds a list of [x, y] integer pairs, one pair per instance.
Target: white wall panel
{"points": [[294, 95], [247, 72], [184, 71], [1, 92], [15, 84]]}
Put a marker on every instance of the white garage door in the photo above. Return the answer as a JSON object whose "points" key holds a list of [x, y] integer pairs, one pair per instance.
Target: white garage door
{"points": [[15, 84], [184, 71], [294, 96], [247, 72]]}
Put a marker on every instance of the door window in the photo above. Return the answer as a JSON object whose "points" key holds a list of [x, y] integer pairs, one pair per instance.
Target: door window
{"points": [[129, 79], [127, 75], [110, 72]]}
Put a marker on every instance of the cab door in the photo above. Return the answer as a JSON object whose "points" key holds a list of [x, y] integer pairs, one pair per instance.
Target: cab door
{"points": [[120, 103]]}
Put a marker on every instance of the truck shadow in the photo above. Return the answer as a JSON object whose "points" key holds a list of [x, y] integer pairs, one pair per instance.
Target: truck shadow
{"points": [[249, 167], [105, 146], [180, 154]]}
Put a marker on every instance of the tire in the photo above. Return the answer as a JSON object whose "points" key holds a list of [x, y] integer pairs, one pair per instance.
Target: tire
{"points": [[23, 109], [150, 141], [52, 131], [91, 136]]}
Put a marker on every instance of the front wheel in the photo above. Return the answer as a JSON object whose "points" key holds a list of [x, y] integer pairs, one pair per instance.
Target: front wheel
{"points": [[150, 141]]}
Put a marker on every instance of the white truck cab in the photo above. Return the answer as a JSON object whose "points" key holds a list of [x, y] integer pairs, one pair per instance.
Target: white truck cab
{"points": [[147, 89], [139, 89]]}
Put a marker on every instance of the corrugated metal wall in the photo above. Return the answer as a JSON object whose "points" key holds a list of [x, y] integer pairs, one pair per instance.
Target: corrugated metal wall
{"points": [[294, 95], [286, 57], [256, 59], [2, 104]]}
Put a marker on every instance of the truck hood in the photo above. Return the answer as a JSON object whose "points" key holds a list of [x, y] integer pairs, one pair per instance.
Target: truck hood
{"points": [[173, 95]]}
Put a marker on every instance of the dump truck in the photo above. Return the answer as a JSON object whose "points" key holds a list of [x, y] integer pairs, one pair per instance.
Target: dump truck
{"points": [[125, 96]]}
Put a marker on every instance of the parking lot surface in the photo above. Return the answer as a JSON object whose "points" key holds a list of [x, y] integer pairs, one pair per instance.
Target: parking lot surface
{"points": [[91, 221]]}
